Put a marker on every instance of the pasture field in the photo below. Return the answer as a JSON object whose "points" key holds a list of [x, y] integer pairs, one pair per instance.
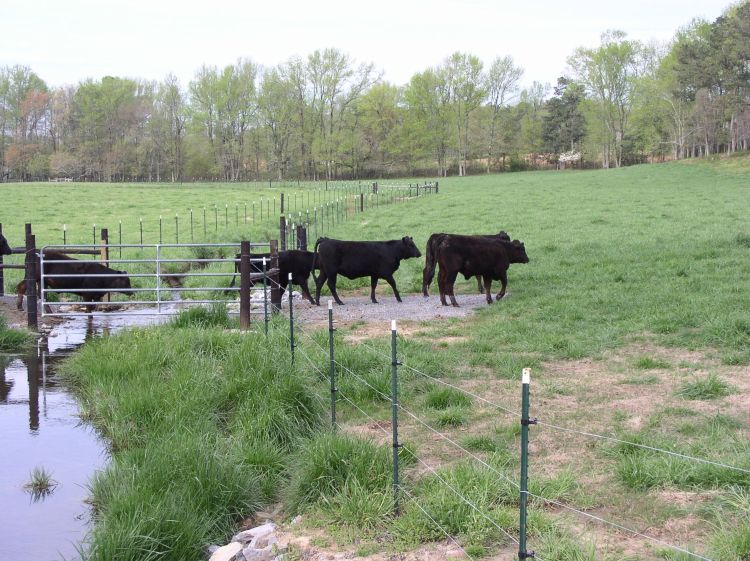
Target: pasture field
{"points": [[632, 314]]}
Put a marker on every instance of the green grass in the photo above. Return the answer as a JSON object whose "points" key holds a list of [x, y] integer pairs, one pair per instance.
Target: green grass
{"points": [[201, 424], [40, 483], [12, 340], [709, 387], [648, 252]]}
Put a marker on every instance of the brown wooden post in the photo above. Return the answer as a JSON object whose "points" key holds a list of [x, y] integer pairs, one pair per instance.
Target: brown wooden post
{"points": [[2, 280], [245, 285], [282, 232], [31, 274], [436, 187], [275, 288]]}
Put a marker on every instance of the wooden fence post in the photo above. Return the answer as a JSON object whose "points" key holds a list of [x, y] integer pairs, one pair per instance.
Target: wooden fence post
{"points": [[275, 287], [282, 233], [31, 274], [2, 279]]}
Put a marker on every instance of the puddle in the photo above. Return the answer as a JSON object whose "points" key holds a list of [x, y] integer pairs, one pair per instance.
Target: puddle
{"points": [[41, 428]]}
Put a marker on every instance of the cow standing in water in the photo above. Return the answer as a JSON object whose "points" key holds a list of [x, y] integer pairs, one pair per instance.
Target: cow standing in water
{"points": [[353, 259]]}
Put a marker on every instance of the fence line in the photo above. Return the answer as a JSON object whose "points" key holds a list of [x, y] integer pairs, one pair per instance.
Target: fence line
{"points": [[457, 445], [560, 428], [359, 378], [427, 514], [618, 526], [443, 382], [644, 446]]}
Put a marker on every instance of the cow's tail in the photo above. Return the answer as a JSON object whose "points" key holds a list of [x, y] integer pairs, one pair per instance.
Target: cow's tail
{"points": [[315, 258], [430, 259]]}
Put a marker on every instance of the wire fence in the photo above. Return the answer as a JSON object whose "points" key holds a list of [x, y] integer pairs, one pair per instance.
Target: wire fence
{"points": [[315, 362]]}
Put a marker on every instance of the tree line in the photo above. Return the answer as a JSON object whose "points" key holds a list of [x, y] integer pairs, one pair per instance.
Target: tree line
{"points": [[325, 116]]}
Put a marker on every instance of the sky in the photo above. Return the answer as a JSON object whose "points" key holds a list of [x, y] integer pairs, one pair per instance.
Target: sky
{"points": [[67, 41]]}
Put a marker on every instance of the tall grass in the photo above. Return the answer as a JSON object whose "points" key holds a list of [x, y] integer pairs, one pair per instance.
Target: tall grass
{"points": [[12, 340], [201, 424]]}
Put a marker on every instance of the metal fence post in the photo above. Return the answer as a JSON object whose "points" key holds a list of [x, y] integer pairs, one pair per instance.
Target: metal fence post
{"points": [[281, 203], [291, 317], [265, 298], [176, 229], [31, 274], [394, 414], [65, 234], [523, 499], [244, 285], [334, 389], [160, 229], [140, 221], [192, 238]]}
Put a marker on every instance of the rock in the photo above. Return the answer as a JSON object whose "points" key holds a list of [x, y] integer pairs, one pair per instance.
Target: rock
{"points": [[265, 554], [296, 520], [210, 549], [255, 533], [226, 553]]}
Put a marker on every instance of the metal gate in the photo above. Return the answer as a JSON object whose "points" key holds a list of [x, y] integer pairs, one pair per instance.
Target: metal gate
{"points": [[164, 279]]}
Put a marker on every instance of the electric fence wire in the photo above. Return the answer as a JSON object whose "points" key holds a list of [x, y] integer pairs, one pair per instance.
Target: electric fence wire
{"points": [[644, 446], [618, 526], [544, 499], [457, 445], [435, 522], [566, 429], [443, 382]]}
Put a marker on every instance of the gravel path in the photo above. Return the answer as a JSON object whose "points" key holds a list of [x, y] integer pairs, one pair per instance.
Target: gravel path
{"points": [[413, 308]]}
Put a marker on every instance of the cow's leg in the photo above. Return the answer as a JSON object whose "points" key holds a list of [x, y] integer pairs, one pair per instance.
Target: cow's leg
{"points": [[373, 284], [504, 282], [441, 286], [332, 287], [450, 283], [480, 288], [306, 290], [488, 288], [20, 291], [318, 285], [390, 280]]}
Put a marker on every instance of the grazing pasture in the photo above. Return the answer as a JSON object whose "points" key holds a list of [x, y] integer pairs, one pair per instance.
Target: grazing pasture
{"points": [[632, 314]]}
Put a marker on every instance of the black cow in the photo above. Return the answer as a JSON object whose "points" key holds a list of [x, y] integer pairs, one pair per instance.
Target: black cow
{"points": [[4, 247], [84, 276], [295, 261], [377, 260], [472, 256], [430, 261]]}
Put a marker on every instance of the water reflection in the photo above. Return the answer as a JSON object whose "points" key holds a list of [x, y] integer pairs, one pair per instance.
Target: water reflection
{"points": [[41, 428]]}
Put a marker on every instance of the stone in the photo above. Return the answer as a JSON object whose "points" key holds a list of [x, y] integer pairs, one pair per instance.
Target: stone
{"points": [[296, 520], [227, 552], [255, 533], [253, 554]]}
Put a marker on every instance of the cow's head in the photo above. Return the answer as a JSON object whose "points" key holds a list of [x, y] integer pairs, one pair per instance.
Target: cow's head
{"points": [[502, 235], [4, 247], [122, 283], [409, 248], [517, 252]]}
